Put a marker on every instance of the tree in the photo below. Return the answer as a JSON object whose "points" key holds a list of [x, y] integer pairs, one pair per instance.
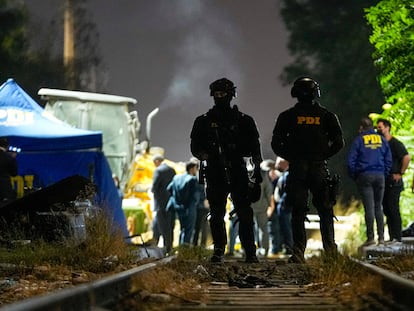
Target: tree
{"points": [[40, 65], [329, 41], [86, 68], [13, 42], [28, 68], [393, 39], [392, 35]]}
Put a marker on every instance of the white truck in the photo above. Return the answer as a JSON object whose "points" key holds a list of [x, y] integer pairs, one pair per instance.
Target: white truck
{"points": [[111, 114]]}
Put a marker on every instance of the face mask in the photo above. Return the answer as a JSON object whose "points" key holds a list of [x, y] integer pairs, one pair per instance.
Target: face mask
{"points": [[222, 102]]}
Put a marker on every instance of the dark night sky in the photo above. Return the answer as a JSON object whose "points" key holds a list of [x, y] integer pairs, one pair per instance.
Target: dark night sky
{"points": [[166, 53]]}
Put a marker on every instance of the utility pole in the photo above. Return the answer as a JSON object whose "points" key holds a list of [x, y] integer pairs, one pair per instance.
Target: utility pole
{"points": [[69, 44]]}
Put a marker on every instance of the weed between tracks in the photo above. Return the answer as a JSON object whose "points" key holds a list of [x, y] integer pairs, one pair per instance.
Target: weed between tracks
{"points": [[172, 283], [351, 282], [101, 251], [40, 267]]}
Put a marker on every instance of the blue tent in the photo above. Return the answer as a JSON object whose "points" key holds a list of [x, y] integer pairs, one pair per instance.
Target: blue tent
{"points": [[50, 150]]}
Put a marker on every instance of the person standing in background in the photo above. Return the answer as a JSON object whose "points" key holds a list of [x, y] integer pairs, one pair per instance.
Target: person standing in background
{"points": [[273, 223], [8, 168], [201, 229], [184, 199], [393, 182], [283, 210], [163, 219], [261, 210], [369, 161]]}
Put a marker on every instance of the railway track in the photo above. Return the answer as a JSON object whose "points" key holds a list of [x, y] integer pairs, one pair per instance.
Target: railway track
{"points": [[269, 285]]}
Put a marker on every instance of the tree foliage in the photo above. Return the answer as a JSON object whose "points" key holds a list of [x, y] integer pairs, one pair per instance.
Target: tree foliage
{"points": [[30, 69], [392, 36], [12, 35], [38, 65], [329, 41]]}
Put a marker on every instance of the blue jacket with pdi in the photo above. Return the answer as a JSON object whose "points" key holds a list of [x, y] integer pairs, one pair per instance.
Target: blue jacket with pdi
{"points": [[369, 153]]}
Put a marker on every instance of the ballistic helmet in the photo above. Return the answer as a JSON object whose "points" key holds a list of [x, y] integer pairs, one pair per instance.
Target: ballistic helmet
{"points": [[305, 88], [223, 85]]}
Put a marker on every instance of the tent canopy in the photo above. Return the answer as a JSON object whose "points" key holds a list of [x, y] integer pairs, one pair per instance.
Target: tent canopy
{"points": [[30, 128], [51, 150]]}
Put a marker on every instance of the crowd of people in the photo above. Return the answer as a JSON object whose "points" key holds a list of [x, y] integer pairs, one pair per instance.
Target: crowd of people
{"points": [[183, 199], [267, 201]]}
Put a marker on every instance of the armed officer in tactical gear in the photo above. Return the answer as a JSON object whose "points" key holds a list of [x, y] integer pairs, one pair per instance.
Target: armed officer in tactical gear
{"points": [[307, 135], [223, 138]]}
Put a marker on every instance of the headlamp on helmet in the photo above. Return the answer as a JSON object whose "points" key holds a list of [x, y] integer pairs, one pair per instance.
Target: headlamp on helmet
{"points": [[306, 88]]}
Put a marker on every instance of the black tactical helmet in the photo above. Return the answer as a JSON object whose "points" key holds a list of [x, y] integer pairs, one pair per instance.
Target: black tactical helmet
{"points": [[305, 88], [223, 85]]}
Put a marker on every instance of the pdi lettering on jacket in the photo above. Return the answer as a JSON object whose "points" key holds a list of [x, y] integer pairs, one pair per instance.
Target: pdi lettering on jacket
{"points": [[308, 120], [372, 141]]}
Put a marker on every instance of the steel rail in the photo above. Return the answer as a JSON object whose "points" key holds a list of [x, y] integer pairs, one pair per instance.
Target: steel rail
{"points": [[107, 291], [402, 289], [86, 296]]}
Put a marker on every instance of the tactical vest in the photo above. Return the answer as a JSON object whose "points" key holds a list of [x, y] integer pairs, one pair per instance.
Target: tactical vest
{"points": [[227, 131], [308, 136]]}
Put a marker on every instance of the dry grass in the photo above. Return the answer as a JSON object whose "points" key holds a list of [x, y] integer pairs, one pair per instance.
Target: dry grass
{"points": [[169, 281], [41, 267], [102, 250], [401, 264], [341, 274], [170, 284]]}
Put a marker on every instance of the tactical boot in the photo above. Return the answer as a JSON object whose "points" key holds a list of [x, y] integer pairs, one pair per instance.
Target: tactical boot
{"points": [[251, 259], [297, 257], [251, 255], [218, 256]]}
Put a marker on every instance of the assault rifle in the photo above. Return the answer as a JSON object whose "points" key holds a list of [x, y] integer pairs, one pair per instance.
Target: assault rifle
{"points": [[222, 157]]}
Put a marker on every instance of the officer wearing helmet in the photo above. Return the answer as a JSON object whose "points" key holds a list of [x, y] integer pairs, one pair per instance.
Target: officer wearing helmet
{"points": [[307, 135], [223, 138]]}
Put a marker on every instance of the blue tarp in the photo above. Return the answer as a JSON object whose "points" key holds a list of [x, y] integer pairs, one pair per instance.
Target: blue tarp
{"points": [[52, 150], [31, 128]]}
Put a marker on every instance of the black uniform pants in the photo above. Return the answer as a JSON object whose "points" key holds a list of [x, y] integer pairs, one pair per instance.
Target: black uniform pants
{"points": [[305, 176], [391, 206], [217, 192]]}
